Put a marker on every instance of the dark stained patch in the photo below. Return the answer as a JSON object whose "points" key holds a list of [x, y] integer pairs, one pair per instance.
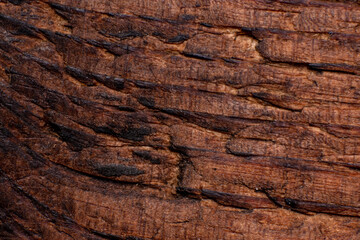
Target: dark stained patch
{"points": [[107, 235], [187, 17], [54, 68], [76, 140], [291, 202], [189, 192], [133, 238], [293, 163], [206, 24], [16, 108], [226, 199], [17, 27], [80, 75], [17, 2], [216, 123], [6, 47], [117, 170], [55, 100], [143, 84], [88, 78], [230, 60], [127, 132], [134, 133], [178, 112], [27, 86], [149, 18], [197, 56], [305, 206], [5, 133], [125, 34], [37, 161], [80, 101], [114, 83], [119, 49], [126, 108], [147, 101], [65, 8], [345, 68], [178, 39], [104, 129]]}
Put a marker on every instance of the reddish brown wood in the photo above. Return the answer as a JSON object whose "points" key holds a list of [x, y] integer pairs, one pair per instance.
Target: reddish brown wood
{"points": [[195, 119]]}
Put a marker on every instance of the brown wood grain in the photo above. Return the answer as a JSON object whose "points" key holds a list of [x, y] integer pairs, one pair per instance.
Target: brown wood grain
{"points": [[195, 119]]}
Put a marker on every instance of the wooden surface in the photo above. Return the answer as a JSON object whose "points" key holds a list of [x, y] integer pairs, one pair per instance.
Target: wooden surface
{"points": [[194, 119]]}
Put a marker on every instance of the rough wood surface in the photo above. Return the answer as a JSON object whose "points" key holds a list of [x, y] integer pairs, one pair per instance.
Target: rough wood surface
{"points": [[193, 119]]}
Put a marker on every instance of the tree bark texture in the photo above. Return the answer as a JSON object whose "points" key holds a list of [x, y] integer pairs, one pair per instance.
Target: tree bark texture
{"points": [[191, 119]]}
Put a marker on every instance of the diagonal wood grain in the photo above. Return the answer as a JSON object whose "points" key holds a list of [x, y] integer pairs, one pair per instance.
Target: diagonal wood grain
{"points": [[179, 119]]}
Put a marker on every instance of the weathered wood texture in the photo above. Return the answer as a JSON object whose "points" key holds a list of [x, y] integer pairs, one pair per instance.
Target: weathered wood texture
{"points": [[193, 119]]}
